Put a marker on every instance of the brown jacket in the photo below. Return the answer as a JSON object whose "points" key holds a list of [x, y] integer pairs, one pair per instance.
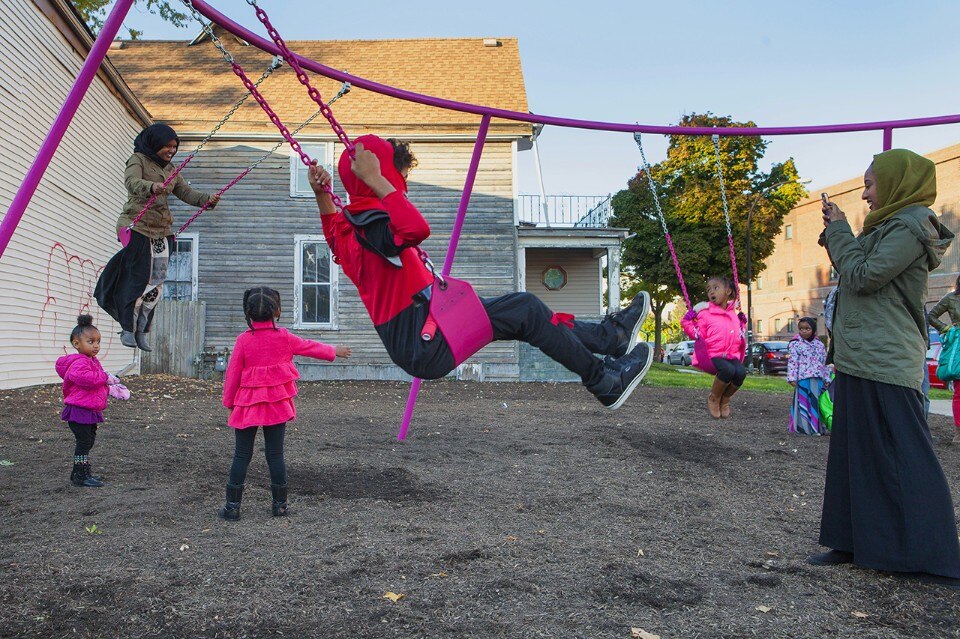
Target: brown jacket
{"points": [[139, 178]]}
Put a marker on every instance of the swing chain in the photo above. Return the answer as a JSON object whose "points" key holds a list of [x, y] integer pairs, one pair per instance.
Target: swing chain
{"points": [[208, 29], [663, 220], [302, 76], [726, 218]]}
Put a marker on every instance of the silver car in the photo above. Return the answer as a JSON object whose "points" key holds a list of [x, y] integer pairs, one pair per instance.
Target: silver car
{"points": [[682, 354]]}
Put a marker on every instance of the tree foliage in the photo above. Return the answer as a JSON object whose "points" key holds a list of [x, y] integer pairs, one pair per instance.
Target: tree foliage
{"points": [[94, 13], [689, 192]]}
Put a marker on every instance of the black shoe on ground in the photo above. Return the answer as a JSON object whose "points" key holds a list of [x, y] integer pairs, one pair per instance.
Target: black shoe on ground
{"points": [[231, 509], [128, 339], [141, 339], [630, 320], [940, 580], [831, 558], [279, 492], [620, 379]]}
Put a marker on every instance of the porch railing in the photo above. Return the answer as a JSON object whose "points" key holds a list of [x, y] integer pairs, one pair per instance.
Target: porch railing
{"points": [[582, 211]]}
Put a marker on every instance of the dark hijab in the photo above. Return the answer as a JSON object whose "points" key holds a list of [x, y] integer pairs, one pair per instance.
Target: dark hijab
{"points": [[152, 139]]}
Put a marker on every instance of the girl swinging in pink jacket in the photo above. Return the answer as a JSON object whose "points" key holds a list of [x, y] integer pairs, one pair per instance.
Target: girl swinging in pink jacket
{"points": [[259, 387], [721, 328]]}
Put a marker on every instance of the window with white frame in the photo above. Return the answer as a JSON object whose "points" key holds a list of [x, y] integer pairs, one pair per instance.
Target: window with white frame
{"points": [[320, 151], [315, 284], [759, 327], [776, 326], [788, 231], [181, 282]]}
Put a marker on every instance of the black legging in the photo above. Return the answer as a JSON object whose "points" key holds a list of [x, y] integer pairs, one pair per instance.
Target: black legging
{"points": [[273, 449], [86, 435], [729, 370]]}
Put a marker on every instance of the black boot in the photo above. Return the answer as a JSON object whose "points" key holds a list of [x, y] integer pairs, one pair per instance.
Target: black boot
{"points": [[279, 499], [231, 509], [141, 340], [629, 321], [128, 339], [623, 376], [81, 477]]}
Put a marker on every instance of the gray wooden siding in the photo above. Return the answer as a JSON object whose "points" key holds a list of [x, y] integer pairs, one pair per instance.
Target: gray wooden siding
{"points": [[49, 269], [248, 239], [581, 295]]}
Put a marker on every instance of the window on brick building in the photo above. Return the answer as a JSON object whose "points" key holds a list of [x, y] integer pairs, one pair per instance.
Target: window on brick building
{"points": [[776, 326], [789, 278], [788, 231], [760, 283]]}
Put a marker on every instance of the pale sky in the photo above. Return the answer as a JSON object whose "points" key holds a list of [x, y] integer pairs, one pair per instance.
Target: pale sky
{"points": [[776, 63]]}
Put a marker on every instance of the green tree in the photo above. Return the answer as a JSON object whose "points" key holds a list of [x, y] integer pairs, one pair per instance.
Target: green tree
{"points": [[94, 12], [689, 193]]}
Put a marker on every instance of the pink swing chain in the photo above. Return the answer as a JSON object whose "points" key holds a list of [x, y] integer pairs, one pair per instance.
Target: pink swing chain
{"points": [[291, 59], [726, 219]]}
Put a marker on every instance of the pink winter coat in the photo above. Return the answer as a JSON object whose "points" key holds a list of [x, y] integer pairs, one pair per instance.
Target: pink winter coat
{"points": [[720, 328], [84, 381], [261, 380]]}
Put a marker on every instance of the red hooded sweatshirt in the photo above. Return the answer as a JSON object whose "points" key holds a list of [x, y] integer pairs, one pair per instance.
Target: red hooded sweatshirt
{"points": [[385, 289]]}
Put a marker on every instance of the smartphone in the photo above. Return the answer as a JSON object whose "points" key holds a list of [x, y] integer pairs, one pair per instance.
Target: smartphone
{"points": [[824, 199]]}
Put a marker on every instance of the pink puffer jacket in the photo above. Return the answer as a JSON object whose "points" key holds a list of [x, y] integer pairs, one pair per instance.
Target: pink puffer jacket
{"points": [[84, 381], [720, 328]]}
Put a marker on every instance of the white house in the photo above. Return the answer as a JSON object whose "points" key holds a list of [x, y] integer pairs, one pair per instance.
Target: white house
{"points": [[66, 236]]}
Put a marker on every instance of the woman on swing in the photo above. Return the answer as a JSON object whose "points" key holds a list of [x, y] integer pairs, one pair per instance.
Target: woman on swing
{"points": [[129, 287], [375, 242]]}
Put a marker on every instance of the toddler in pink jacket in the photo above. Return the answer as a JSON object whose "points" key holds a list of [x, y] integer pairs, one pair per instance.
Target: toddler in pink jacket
{"points": [[85, 389], [721, 329], [259, 387]]}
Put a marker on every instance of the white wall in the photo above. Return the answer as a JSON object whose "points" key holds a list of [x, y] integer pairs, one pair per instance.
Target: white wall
{"points": [[66, 236]]}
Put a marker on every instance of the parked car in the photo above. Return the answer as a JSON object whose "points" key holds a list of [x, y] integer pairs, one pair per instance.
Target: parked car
{"points": [[667, 348], [682, 354], [769, 358], [933, 358]]}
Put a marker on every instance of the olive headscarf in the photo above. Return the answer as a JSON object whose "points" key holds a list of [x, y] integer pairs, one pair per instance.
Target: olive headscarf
{"points": [[902, 178], [152, 139]]}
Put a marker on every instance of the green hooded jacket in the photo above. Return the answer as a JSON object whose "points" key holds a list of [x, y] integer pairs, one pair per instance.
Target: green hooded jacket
{"points": [[879, 328], [950, 304]]}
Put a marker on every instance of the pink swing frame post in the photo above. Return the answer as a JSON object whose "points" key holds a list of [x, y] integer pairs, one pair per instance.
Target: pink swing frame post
{"points": [[451, 253], [59, 127]]}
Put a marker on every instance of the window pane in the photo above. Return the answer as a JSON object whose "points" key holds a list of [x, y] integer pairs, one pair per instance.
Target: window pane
{"points": [[315, 263], [315, 305]]}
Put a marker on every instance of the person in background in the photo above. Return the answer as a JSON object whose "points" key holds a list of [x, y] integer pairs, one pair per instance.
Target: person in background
{"points": [[949, 304], [807, 372]]}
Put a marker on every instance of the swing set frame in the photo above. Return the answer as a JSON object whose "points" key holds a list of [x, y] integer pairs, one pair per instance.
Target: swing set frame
{"points": [[121, 8]]}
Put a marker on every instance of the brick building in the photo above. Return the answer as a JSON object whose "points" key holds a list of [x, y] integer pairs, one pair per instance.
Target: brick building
{"points": [[798, 274]]}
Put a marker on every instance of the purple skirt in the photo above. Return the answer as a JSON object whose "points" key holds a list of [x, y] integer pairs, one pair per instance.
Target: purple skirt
{"points": [[79, 415]]}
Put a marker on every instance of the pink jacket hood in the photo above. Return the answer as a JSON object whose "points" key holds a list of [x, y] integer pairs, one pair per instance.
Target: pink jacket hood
{"points": [[720, 328], [84, 381]]}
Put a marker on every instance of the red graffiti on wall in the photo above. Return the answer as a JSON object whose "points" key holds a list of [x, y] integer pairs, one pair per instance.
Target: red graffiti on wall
{"points": [[70, 281]]}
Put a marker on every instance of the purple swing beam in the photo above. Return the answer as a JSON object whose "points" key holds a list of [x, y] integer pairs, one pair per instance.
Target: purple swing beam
{"points": [[89, 70], [886, 126], [451, 253]]}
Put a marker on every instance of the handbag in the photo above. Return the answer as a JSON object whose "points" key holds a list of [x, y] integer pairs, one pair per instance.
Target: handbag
{"points": [[948, 364]]}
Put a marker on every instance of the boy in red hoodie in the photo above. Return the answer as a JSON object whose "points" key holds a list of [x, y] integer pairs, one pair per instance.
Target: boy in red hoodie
{"points": [[374, 241]]}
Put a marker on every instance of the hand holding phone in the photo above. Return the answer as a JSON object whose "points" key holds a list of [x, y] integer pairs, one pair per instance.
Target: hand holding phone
{"points": [[824, 199]]}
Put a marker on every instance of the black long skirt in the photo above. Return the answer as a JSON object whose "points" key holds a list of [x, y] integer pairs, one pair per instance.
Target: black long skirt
{"points": [[886, 499], [124, 281]]}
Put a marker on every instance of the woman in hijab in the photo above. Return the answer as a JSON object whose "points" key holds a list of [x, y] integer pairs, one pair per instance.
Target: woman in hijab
{"points": [[129, 287], [886, 503]]}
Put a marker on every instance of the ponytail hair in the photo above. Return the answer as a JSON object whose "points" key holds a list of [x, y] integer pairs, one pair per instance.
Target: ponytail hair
{"points": [[84, 322], [261, 304]]}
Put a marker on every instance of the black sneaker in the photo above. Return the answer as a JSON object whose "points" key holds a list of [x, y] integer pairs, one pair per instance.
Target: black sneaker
{"points": [[630, 320], [619, 382]]}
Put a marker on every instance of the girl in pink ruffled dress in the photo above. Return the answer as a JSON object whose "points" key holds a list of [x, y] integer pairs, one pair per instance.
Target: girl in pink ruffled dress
{"points": [[259, 387]]}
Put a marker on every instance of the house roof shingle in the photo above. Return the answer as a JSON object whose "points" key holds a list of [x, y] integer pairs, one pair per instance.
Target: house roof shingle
{"points": [[191, 87]]}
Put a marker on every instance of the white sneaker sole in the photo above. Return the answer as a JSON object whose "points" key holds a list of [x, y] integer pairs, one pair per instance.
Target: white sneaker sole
{"points": [[636, 381], [635, 336]]}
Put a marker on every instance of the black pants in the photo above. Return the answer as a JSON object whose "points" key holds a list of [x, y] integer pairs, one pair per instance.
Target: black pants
{"points": [[729, 370], [519, 316], [886, 499], [124, 280], [86, 436], [273, 449]]}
